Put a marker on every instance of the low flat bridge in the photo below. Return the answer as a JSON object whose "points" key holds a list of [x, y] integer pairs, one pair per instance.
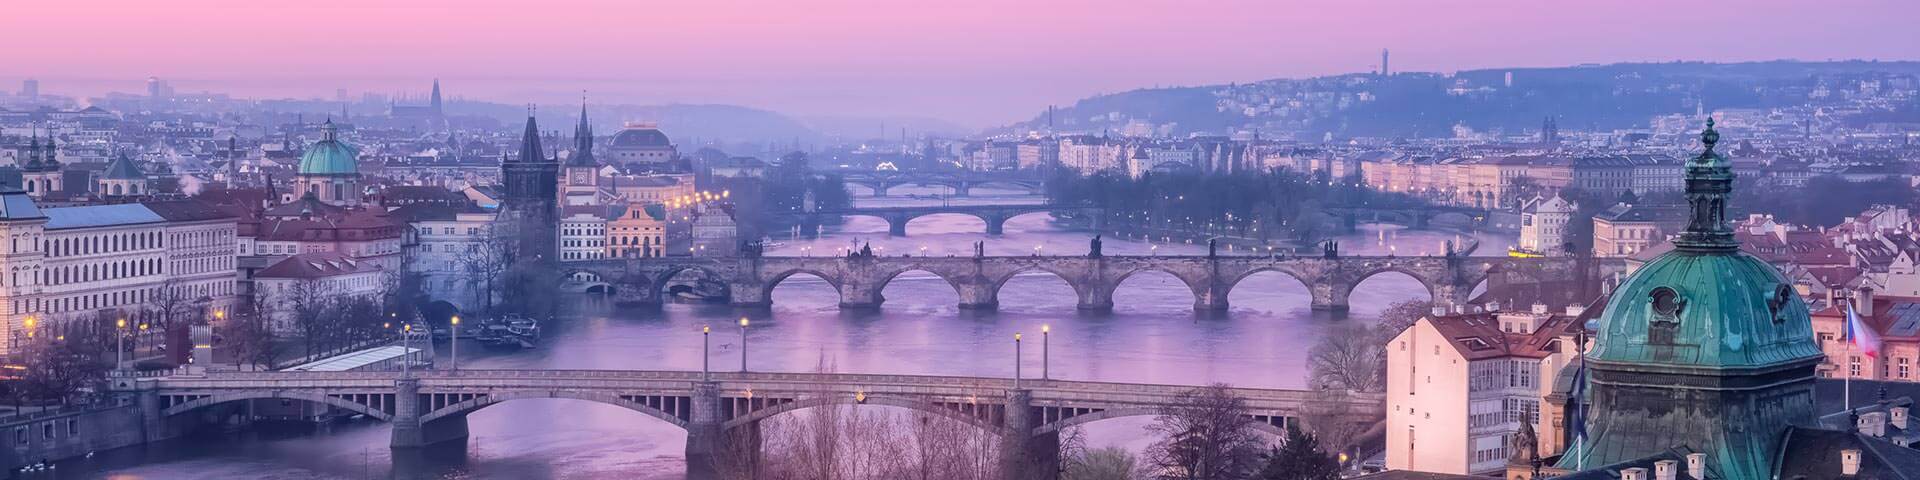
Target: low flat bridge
{"points": [[962, 183], [995, 216], [721, 412], [978, 280]]}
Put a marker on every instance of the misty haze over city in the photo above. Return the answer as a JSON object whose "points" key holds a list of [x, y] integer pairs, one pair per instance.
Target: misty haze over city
{"points": [[968, 240]]}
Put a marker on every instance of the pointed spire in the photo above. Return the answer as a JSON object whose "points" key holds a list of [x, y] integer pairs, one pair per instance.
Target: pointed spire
{"points": [[582, 138], [434, 102], [530, 151]]}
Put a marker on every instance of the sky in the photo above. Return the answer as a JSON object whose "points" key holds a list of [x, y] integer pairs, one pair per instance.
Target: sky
{"points": [[975, 62]]}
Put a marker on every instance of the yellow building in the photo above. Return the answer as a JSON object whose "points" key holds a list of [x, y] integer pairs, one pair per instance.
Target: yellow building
{"points": [[638, 232]]}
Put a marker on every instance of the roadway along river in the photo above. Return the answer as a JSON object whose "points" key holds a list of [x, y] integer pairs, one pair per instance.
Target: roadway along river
{"points": [[1151, 336]]}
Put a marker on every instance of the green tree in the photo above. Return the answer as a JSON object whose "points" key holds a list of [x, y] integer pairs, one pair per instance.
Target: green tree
{"points": [[1299, 458]]}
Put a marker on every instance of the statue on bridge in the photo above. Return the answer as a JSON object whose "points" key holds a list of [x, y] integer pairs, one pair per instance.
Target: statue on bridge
{"points": [[752, 249], [980, 249], [1330, 250], [1093, 248], [1213, 247]]}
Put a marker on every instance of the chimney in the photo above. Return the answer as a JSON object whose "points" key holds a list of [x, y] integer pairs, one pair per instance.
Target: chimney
{"points": [[1863, 301], [1493, 306], [1460, 309], [1830, 297], [1666, 470], [1850, 462], [1575, 310], [1636, 473], [1539, 308], [1439, 310], [1697, 466], [1898, 417], [1874, 424]]}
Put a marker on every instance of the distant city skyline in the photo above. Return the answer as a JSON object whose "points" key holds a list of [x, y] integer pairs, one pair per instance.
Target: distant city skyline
{"points": [[976, 63]]}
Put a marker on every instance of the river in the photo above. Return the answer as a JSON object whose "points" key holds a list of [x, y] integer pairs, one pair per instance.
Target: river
{"points": [[1152, 335]]}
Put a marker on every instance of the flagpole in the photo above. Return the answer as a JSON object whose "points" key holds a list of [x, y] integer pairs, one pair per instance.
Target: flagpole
{"points": [[1846, 388]]}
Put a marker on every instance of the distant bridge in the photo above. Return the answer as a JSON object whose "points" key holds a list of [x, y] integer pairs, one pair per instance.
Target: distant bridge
{"points": [[962, 183], [978, 280], [1417, 217], [721, 412], [897, 218]]}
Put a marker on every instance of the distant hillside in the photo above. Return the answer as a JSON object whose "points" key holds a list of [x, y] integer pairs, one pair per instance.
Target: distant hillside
{"points": [[1429, 105]]}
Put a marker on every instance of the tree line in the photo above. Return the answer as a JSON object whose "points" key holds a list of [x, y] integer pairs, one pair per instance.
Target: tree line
{"points": [[1276, 204]]}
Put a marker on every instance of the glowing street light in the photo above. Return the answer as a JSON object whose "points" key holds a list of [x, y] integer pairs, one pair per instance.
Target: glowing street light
{"points": [[1046, 333], [706, 348], [455, 343], [743, 344], [1016, 360]]}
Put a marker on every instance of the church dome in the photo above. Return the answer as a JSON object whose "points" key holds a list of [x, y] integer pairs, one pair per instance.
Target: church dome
{"points": [[330, 156], [1706, 304], [641, 137]]}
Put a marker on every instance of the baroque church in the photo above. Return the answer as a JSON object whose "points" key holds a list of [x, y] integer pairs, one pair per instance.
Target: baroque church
{"points": [[1703, 367]]}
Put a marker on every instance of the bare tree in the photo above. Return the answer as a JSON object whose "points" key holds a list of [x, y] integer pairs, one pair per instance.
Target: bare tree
{"points": [[1110, 463], [1333, 421], [487, 260], [309, 311], [1347, 358], [1207, 436]]}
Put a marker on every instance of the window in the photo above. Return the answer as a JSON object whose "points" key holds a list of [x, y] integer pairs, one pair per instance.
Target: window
{"points": [[1905, 370], [1853, 366]]}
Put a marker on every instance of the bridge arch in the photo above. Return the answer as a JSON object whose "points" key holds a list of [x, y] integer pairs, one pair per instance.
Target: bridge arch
{"points": [[986, 221], [311, 397], [1196, 284], [774, 281], [887, 279], [660, 281], [1262, 424], [882, 400], [992, 294], [1343, 291], [491, 398]]}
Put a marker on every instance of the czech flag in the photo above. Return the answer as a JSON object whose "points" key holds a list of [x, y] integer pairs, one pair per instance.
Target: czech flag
{"points": [[1862, 335]]}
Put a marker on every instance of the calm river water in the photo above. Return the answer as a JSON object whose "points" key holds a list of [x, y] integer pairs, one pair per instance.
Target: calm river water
{"points": [[1151, 336]]}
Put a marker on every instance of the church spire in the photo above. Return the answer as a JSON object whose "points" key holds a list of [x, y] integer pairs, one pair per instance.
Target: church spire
{"points": [[530, 151], [1709, 187], [434, 103], [582, 139]]}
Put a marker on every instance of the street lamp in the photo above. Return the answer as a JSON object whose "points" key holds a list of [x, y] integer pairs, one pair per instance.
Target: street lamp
{"points": [[1016, 361], [406, 345], [1046, 333], [455, 343], [120, 344], [706, 355], [743, 344]]}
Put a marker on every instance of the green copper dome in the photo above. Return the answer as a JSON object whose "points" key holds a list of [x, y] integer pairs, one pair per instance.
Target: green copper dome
{"points": [[1711, 310], [330, 156], [1706, 304]]}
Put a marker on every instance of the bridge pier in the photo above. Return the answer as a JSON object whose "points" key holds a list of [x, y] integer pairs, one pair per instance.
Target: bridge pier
{"points": [[996, 224], [712, 450], [974, 296], [749, 295], [1330, 296], [897, 225], [859, 296], [1212, 300], [409, 431], [1096, 298], [1024, 455]]}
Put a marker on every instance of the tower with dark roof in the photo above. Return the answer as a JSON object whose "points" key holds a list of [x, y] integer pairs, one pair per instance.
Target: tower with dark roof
{"points": [[582, 170], [531, 189], [42, 175], [122, 179]]}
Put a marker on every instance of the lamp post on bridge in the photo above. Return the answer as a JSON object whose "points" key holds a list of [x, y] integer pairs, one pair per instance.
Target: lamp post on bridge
{"points": [[120, 344], [454, 344], [1016, 360], [743, 344], [706, 348], [406, 350], [1046, 333]]}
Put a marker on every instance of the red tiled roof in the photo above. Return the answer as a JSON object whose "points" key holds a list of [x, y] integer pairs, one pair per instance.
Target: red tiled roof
{"points": [[316, 265]]}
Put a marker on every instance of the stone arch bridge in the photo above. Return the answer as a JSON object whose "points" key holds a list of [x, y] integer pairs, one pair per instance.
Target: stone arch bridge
{"points": [[961, 183], [978, 280], [721, 412], [897, 218]]}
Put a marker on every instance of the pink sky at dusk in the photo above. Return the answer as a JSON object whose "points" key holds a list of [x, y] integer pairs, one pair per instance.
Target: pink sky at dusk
{"points": [[975, 62]]}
